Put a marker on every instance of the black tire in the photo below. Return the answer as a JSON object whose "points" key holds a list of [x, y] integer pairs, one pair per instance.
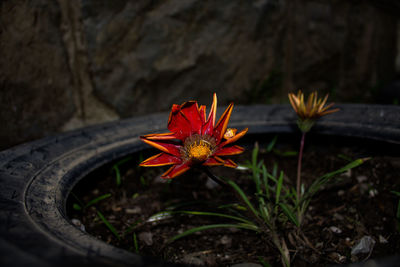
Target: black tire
{"points": [[37, 177]]}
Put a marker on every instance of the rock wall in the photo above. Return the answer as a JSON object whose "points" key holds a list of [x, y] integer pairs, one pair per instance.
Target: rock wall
{"points": [[69, 63]]}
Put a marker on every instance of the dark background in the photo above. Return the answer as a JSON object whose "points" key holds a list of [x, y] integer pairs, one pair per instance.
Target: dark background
{"points": [[69, 63]]}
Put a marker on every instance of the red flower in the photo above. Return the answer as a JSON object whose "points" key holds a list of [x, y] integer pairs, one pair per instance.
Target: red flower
{"points": [[194, 140]]}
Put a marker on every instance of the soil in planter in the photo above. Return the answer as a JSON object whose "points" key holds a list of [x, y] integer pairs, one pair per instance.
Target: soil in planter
{"points": [[358, 204]]}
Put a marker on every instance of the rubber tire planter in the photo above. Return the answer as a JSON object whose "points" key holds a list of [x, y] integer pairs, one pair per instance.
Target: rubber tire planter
{"points": [[37, 177]]}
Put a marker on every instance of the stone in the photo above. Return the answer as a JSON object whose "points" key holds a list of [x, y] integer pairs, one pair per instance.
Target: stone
{"points": [[145, 56], [146, 237], [70, 63], [35, 81]]}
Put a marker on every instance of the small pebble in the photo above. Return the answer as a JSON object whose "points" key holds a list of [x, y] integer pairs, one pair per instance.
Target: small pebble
{"points": [[335, 230], [347, 173], [226, 240], [191, 260], [338, 216], [210, 184], [78, 224], [373, 192], [382, 240], [365, 245], [146, 237], [135, 210], [361, 178]]}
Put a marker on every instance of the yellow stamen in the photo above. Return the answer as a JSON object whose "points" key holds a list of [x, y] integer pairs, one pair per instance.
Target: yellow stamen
{"points": [[199, 151], [198, 148], [230, 133]]}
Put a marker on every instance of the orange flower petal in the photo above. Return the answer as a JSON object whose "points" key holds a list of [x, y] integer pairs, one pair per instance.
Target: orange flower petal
{"points": [[175, 170], [202, 111], [222, 124], [161, 136], [227, 151], [230, 163], [163, 146], [161, 159], [329, 111], [214, 161], [293, 101], [235, 138], [208, 127]]}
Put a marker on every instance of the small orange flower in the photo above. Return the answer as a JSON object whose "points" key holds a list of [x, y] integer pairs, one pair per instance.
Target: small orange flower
{"points": [[314, 108], [310, 111], [193, 139]]}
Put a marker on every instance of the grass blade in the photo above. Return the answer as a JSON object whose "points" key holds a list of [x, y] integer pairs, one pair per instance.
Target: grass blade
{"points": [[265, 180], [327, 177], [131, 227], [76, 206], [117, 175], [243, 196], [212, 226], [279, 188], [115, 167], [96, 200], [254, 156], [109, 225], [122, 161], [292, 217], [203, 213], [395, 193], [271, 144], [135, 243]]}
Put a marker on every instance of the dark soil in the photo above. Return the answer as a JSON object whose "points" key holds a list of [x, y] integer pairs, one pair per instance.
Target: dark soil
{"points": [[359, 204]]}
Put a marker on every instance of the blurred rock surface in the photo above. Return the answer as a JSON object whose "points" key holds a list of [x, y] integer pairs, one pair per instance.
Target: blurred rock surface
{"points": [[70, 63]]}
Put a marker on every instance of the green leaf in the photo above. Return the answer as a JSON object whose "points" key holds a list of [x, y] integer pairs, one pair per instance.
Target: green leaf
{"points": [[254, 156], [272, 144], [396, 193], [289, 213], [324, 179], [243, 196], [212, 226], [109, 225], [96, 200], [135, 243], [279, 188], [117, 175], [76, 206], [77, 199], [275, 169], [122, 161], [143, 181], [115, 167], [345, 157], [232, 206], [213, 214], [131, 227], [265, 180], [263, 262]]}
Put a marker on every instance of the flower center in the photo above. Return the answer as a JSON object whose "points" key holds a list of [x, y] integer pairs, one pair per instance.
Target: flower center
{"points": [[198, 148], [199, 151]]}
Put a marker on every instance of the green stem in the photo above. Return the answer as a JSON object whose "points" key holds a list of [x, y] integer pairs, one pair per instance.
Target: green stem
{"points": [[298, 183], [285, 256], [216, 179]]}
